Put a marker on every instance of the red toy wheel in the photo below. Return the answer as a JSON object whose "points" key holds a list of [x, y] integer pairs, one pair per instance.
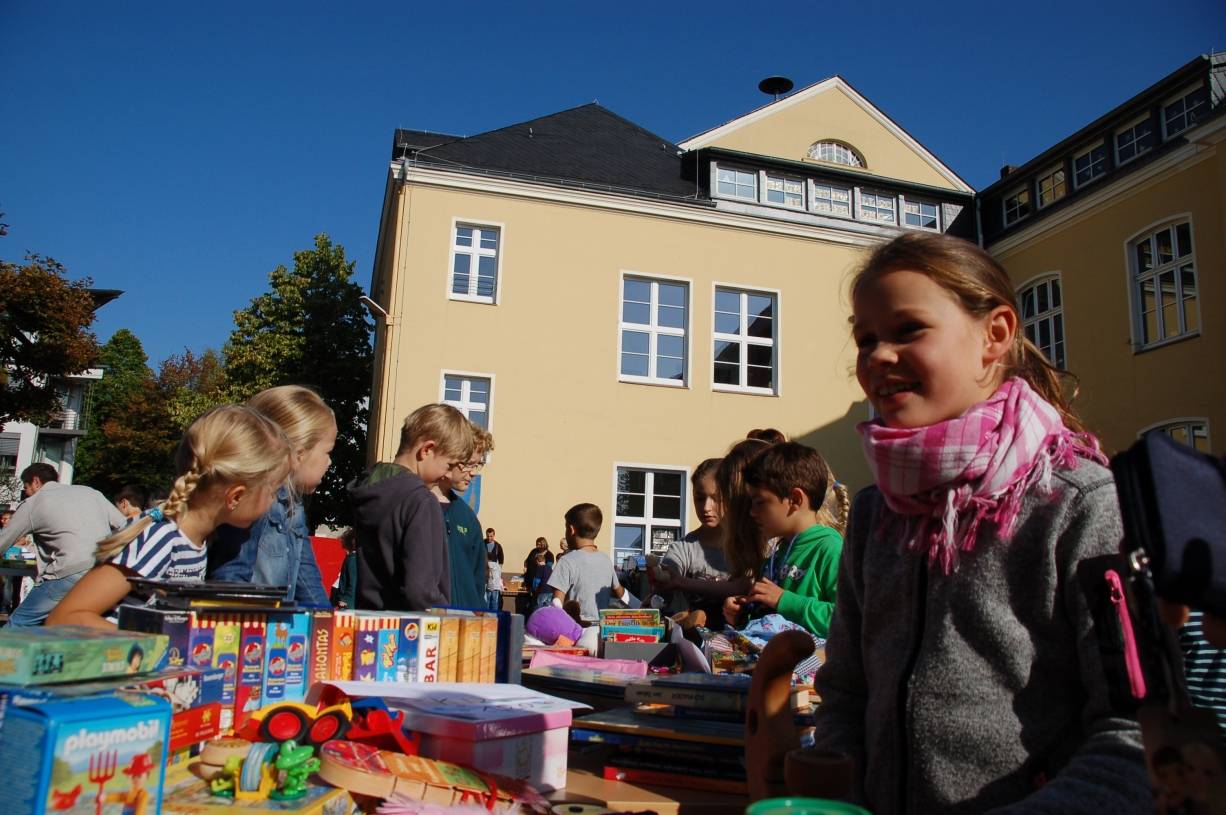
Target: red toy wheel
{"points": [[331, 725], [282, 723]]}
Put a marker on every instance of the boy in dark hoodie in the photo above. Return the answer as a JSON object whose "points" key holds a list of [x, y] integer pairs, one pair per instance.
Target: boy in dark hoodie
{"points": [[402, 539]]}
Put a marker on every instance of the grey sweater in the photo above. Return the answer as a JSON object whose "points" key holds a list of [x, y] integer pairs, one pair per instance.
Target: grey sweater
{"points": [[67, 521], [963, 693]]}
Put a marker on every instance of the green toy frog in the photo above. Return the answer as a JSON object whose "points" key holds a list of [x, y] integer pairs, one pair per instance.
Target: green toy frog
{"points": [[294, 765]]}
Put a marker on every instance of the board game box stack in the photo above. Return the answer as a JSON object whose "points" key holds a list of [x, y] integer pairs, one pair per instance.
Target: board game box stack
{"points": [[86, 719]]}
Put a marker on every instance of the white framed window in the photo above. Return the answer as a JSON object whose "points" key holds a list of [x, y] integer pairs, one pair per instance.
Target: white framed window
{"points": [[1052, 187], [878, 206], [475, 255], [1192, 431], [1183, 112], [649, 509], [1043, 318], [734, 183], [1089, 165], [836, 153], [653, 345], [790, 192], [745, 340], [470, 393], [1017, 205], [1165, 287], [1134, 140], [831, 199], [921, 214]]}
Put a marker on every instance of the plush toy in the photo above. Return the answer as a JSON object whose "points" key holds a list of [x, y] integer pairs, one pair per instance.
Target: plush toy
{"points": [[553, 626]]}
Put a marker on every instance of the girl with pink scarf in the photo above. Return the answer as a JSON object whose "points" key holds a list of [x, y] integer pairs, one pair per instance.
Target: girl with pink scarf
{"points": [[963, 672]]}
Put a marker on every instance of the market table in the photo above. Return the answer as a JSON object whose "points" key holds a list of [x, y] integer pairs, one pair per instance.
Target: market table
{"points": [[11, 573], [584, 785]]}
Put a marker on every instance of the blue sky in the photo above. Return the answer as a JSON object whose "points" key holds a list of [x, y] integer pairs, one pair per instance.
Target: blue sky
{"points": [[181, 151]]}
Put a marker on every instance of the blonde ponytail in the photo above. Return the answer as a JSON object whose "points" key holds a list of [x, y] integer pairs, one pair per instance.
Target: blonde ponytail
{"points": [[228, 445], [836, 508]]}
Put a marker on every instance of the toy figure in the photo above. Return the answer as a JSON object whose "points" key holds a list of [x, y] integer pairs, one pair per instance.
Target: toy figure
{"points": [[136, 800], [225, 782], [295, 764]]}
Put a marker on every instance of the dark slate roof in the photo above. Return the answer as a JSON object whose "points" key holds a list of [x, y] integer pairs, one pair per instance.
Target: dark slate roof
{"points": [[588, 145]]}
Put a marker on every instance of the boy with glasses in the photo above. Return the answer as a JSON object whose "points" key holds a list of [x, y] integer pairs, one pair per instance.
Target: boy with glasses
{"points": [[465, 546], [402, 539]]}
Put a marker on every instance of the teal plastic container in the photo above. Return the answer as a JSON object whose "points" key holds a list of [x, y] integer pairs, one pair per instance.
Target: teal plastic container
{"points": [[803, 806]]}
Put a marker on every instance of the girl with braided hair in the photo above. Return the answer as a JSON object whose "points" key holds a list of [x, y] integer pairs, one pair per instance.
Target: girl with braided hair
{"points": [[231, 462]]}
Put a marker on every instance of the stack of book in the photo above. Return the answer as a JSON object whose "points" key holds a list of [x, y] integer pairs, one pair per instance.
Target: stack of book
{"points": [[682, 730], [631, 625]]}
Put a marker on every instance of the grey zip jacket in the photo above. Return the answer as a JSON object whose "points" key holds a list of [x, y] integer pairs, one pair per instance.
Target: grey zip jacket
{"points": [[982, 690]]}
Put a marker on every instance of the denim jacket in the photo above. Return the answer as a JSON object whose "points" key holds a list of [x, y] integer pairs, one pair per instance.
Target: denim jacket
{"points": [[274, 551]]}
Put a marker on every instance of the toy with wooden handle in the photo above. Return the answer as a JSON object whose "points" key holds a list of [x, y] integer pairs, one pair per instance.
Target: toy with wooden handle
{"points": [[770, 727]]}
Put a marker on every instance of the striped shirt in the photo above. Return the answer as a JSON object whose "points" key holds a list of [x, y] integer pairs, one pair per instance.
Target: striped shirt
{"points": [[1205, 669], [162, 552]]}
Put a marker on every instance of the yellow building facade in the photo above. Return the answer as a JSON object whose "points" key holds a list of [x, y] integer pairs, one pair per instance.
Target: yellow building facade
{"points": [[1115, 239], [615, 308]]}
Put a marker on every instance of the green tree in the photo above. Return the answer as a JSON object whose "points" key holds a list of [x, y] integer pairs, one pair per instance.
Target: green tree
{"points": [[311, 329], [191, 384], [44, 334], [131, 437]]}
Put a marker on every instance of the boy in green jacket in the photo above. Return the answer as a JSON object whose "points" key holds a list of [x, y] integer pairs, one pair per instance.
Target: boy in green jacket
{"points": [[787, 486]]}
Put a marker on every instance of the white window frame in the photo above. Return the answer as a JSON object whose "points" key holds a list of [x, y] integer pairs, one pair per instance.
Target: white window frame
{"points": [[477, 252], [1049, 315], [854, 157], [465, 405], [815, 184], [648, 521], [1131, 127], [1012, 195], [1181, 98], [767, 177], [1181, 421], [757, 183], [1038, 185], [1087, 151], [745, 340], [877, 194], [654, 330], [920, 202], [1135, 302]]}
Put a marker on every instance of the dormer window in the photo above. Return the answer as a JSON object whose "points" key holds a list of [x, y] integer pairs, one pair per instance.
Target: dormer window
{"points": [[836, 153]]}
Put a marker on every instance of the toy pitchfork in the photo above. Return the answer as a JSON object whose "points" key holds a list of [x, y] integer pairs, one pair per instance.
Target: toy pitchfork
{"points": [[101, 770]]}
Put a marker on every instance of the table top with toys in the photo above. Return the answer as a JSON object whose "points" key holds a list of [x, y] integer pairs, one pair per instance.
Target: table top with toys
{"points": [[214, 709]]}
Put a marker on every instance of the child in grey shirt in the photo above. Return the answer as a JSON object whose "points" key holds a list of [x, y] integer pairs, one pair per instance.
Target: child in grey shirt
{"points": [[585, 576]]}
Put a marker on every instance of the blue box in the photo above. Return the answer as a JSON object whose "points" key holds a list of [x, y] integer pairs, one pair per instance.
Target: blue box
{"points": [[60, 755]]}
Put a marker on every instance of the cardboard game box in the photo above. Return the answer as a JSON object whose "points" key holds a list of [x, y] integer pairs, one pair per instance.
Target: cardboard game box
{"points": [[36, 656], [105, 757]]}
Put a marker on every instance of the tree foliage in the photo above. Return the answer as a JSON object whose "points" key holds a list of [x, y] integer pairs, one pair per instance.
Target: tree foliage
{"points": [[192, 384], [311, 329], [131, 437], [44, 334]]}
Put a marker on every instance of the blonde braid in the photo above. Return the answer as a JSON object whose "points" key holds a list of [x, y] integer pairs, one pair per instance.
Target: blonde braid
{"points": [[176, 503], [843, 498]]}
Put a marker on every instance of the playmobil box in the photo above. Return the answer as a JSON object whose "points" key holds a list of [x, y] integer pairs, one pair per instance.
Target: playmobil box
{"points": [[37, 656], [101, 755]]}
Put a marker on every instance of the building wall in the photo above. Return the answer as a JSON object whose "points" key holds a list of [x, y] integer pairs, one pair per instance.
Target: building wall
{"points": [[560, 417], [791, 129], [1124, 391]]}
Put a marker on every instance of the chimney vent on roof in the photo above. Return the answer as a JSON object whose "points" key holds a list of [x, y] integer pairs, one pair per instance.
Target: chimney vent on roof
{"points": [[775, 86], [1008, 169]]}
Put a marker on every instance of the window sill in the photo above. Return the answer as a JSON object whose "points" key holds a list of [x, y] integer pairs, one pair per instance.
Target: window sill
{"points": [[1153, 346], [467, 298], [659, 383], [743, 390]]}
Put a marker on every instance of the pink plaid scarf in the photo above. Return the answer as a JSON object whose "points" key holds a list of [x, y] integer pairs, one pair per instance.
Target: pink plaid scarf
{"points": [[944, 479]]}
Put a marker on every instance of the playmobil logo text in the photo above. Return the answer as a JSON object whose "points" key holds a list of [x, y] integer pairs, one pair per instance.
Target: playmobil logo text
{"points": [[85, 739]]}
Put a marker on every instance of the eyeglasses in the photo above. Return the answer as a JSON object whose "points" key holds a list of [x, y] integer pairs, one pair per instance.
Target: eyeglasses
{"points": [[468, 466]]}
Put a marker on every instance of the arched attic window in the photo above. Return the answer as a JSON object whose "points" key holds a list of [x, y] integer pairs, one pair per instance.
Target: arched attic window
{"points": [[836, 152]]}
